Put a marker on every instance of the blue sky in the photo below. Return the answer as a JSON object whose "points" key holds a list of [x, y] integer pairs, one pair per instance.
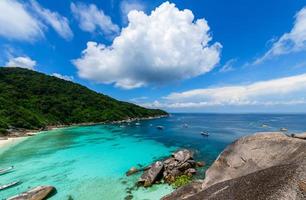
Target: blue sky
{"points": [[185, 56]]}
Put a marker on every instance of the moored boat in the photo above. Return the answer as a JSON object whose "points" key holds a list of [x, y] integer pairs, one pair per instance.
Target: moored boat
{"points": [[4, 171], [6, 186], [204, 133], [160, 127]]}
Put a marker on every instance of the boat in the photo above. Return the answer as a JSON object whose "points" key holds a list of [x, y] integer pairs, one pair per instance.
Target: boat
{"points": [[283, 129], [137, 124], [264, 126], [4, 171], [185, 125], [204, 133], [160, 127], [6, 186]]}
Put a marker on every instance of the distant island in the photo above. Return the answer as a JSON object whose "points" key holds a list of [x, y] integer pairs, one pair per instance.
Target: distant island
{"points": [[32, 100]]}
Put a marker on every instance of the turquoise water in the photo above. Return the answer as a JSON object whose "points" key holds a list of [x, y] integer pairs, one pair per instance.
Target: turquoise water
{"points": [[90, 162]]}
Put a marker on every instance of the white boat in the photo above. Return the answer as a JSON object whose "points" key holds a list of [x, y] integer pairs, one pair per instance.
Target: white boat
{"points": [[137, 124], [204, 133], [4, 171], [6, 186]]}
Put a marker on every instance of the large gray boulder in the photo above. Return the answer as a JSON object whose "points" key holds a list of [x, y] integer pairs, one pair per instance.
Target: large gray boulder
{"points": [[38, 193], [152, 174], [183, 155], [180, 163], [253, 153], [261, 166]]}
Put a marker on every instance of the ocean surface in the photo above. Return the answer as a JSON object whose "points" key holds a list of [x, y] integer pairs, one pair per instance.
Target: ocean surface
{"points": [[90, 162]]}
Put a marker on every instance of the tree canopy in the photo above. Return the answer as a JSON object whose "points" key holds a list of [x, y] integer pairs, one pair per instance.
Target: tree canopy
{"points": [[32, 100]]}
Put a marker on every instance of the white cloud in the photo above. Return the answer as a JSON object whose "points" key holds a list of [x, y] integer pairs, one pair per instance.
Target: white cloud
{"points": [[139, 99], [59, 23], [65, 77], [22, 61], [283, 91], [228, 66], [167, 45], [128, 5], [17, 23], [27, 22], [294, 41], [92, 19]]}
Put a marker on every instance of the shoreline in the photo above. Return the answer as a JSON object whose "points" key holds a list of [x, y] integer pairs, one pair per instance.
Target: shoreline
{"points": [[18, 136]]}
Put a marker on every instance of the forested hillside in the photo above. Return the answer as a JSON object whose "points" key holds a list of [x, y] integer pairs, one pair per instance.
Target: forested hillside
{"points": [[33, 100]]}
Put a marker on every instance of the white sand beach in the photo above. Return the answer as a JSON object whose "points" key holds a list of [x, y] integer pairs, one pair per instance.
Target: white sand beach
{"points": [[5, 142]]}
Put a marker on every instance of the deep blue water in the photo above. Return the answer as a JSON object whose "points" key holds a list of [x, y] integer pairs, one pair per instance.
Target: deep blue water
{"points": [[90, 162]]}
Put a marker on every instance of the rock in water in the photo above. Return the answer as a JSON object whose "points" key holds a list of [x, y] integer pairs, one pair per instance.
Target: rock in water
{"points": [[200, 164], [38, 193], [131, 171], [182, 155], [263, 166], [152, 174]]}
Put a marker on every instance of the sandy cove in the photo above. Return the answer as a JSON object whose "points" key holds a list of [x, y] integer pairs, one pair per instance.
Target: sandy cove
{"points": [[19, 136]]}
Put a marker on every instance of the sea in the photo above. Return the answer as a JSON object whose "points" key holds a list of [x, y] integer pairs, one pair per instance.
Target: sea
{"points": [[90, 162]]}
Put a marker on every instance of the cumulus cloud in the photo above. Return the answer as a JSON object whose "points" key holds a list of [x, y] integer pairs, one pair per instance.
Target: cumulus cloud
{"points": [[167, 45], [91, 19], [59, 23], [21, 61], [64, 77], [27, 22], [294, 41], [17, 23], [283, 91], [128, 5]]}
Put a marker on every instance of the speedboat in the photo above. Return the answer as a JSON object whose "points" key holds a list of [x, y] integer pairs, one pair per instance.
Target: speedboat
{"points": [[204, 133]]}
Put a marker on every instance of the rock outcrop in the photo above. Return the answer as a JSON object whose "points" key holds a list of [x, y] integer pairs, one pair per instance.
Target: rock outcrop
{"points": [[152, 174], [38, 193], [180, 163], [260, 166]]}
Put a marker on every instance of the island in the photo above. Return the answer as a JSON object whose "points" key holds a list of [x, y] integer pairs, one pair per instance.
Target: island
{"points": [[31, 100]]}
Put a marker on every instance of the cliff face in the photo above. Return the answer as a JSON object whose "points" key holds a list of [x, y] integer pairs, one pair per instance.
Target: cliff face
{"points": [[260, 166]]}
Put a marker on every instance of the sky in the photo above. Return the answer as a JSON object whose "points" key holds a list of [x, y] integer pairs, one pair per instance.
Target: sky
{"points": [[239, 56]]}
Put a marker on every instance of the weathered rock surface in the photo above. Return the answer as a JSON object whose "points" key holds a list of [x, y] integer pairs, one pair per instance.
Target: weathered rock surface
{"points": [[182, 155], [181, 163], [274, 183], [151, 175], [253, 153], [261, 166], [185, 191], [38, 193]]}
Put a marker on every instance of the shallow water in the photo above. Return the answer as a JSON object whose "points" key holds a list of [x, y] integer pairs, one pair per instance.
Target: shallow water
{"points": [[90, 162]]}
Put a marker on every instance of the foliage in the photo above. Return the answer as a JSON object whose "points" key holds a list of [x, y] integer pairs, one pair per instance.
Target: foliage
{"points": [[33, 100], [181, 181]]}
